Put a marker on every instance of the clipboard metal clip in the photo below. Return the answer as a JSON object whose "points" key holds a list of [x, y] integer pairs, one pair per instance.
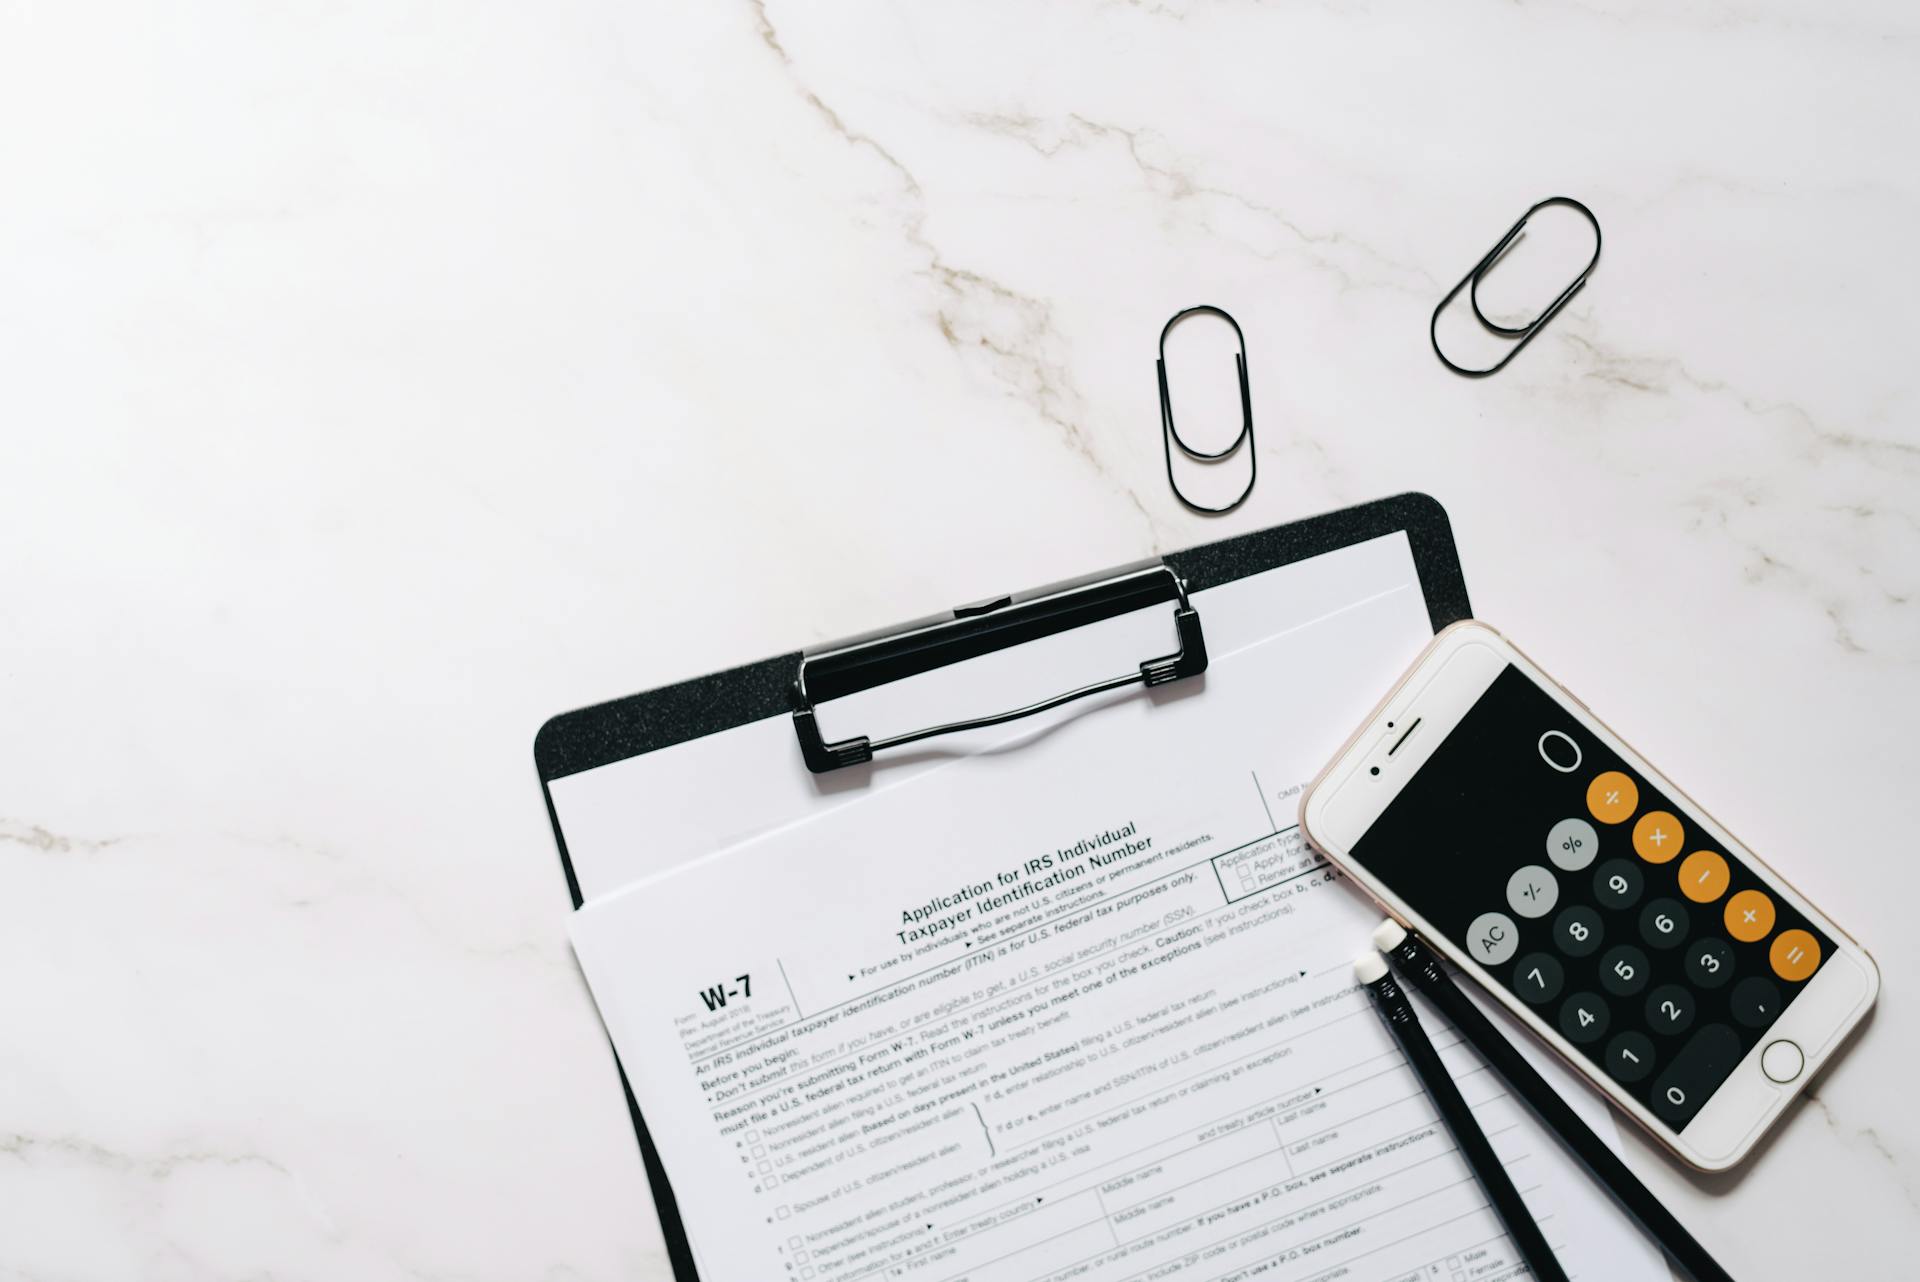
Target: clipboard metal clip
{"points": [[971, 630]]}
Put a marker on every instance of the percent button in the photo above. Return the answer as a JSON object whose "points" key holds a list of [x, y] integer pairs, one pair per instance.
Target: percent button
{"points": [[1572, 844]]}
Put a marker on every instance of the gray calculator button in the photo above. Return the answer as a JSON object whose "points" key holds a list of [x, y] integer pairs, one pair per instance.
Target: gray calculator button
{"points": [[1617, 884], [1572, 844], [1532, 892], [1577, 931], [1492, 939]]}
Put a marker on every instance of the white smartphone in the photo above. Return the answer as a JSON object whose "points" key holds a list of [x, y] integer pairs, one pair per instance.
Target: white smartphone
{"points": [[1492, 813]]}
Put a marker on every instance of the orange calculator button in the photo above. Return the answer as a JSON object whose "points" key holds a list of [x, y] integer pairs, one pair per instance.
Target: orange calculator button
{"points": [[1749, 916], [1703, 876], [1658, 836], [1795, 955], [1612, 797]]}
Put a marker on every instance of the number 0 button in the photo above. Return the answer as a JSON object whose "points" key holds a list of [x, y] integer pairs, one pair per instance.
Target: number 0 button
{"points": [[1584, 1018], [1493, 939]]}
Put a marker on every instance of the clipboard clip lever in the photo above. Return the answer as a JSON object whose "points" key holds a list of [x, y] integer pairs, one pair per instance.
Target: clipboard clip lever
{"points": [[981, 628]]}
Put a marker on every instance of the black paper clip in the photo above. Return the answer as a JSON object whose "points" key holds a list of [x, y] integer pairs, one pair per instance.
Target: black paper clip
{"points": [[1471, 283], [1170, 435]]}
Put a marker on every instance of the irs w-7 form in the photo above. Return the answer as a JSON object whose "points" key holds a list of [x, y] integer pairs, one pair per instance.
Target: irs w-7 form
{"points": [[1079, 1009]]}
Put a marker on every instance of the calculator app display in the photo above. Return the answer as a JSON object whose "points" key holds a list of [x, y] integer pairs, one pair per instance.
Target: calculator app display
{"points": [[1594, 898]]}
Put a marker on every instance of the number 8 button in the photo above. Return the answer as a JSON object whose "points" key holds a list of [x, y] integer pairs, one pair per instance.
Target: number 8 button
{"points": [[1576, 932]]}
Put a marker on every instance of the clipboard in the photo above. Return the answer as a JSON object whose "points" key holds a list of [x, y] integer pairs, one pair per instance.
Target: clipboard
{"points": [[787, 690]]}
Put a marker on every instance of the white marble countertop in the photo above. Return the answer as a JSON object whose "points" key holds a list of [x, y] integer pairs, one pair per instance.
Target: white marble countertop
{"points": [[379, 379]]}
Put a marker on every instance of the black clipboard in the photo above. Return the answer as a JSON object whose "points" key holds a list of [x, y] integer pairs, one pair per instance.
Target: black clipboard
{"points": [[676, 714]]}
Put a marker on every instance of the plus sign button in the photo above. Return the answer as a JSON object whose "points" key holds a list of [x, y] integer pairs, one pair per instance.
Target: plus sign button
{"points": [[1658, 836]]}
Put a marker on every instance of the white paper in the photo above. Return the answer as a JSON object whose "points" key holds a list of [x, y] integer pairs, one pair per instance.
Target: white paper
{"points": [[638, 817], [1081, 1008]]}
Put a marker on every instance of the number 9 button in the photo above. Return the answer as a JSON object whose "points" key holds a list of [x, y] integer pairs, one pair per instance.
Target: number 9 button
{"points": [[1617, 884]]}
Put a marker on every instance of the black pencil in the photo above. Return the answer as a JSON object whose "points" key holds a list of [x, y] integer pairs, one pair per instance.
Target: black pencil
{"points": [[1418, 964], [1398, 1013]]}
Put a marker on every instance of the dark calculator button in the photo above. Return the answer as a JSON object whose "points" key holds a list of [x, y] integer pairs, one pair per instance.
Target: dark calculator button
{"points": [[1630, 1057], [1584, 1018], [1617, 884], [1710, 963], [1756, 1002], [1538, 978], [1701, 1065], [1669, 1009], [1623, 970], [1663, 923], [1576, 931]]}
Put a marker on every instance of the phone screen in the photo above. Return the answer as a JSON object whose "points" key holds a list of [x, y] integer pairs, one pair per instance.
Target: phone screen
{"points": [[1596, 899]]}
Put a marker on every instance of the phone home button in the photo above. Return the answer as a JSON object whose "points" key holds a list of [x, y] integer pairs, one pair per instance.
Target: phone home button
{"points": [[1782, 1061]]}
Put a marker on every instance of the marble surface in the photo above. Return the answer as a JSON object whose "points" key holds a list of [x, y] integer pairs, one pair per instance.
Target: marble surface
{"points": [[379, 379]]}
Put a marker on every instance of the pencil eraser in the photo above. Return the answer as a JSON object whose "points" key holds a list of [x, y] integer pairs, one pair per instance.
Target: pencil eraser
{"points": [[1370, 968], [1389, 935]]}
